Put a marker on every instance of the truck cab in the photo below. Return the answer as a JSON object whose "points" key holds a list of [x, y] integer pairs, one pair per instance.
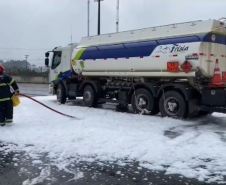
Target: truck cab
{"points": [[59, 61]]}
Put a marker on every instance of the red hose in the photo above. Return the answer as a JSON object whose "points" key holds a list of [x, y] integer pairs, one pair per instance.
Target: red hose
{"points": [[48, 107]]}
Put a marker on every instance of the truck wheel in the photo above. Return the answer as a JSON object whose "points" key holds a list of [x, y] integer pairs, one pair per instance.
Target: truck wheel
{"points": [[172, 104], [143, 102], [61, 94], [89, 96]]}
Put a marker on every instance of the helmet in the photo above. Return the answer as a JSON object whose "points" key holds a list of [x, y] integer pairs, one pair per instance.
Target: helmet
{"points": [[2, 69]]}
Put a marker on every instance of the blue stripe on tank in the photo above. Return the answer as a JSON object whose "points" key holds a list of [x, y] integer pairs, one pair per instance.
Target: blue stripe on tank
{"points": [[144, 48]]}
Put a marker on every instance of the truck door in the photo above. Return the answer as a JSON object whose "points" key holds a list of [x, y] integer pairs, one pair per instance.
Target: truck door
{"points": [[55, 66]]}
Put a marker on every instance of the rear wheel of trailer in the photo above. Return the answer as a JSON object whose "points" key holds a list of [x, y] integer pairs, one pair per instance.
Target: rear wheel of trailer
{"points": [[143, 102], [173, 104]]}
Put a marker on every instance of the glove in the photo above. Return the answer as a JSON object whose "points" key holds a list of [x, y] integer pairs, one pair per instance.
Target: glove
{"points": [[17, 93]]}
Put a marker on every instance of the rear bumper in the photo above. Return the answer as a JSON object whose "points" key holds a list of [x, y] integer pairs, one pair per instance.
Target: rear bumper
{"points": [[212, 109], [213, 100], [214, 97]]}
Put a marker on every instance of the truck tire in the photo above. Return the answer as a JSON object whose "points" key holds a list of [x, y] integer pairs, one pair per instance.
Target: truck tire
{"points": [[172, 104], [89, 96], [61, 94], [143, 102]]}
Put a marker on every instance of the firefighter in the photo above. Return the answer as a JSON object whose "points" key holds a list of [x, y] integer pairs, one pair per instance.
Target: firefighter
{"points": [[8, 87]]}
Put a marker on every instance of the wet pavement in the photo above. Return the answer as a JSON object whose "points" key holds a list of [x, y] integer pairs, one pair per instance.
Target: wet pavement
{"points": [[17, 168]]}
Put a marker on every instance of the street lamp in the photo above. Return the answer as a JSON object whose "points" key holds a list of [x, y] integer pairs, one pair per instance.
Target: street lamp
{"points": [[117, 16], [26, 61], [88, 4], [98, 26]]}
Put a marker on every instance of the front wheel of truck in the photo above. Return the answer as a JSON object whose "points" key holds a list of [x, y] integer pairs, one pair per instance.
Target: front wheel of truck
{"points": [[61, 94]]}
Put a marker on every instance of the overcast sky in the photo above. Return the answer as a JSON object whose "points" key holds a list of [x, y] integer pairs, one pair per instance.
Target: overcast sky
{"points": [[40, 25]]}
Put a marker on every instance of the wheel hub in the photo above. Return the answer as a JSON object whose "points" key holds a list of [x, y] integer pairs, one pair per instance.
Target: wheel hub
{"points": [[142, 102], [87, 95], [172, 106]]}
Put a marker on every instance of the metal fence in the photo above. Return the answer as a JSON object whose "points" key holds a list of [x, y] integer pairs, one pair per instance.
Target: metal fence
{"points": [[27, 73]]}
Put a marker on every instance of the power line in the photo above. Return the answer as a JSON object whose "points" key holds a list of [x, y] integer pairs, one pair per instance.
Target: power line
{"points": [[24, 48], [22, 59]]}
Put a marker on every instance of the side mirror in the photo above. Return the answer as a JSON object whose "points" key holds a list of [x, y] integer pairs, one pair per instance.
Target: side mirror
{"points": [[47, 54], [46, 61]]}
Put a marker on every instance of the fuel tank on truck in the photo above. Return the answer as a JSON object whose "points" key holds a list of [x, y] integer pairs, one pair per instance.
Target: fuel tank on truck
{"points": [[175, 50]]}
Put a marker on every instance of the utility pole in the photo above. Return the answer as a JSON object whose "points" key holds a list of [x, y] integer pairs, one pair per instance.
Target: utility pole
{"points": [[98, 23], [88, 4], [117, 16], [26, 61]]}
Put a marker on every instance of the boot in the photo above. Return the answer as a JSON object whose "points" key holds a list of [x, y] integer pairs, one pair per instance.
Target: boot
{"points": [[2, 124], [8, 121]]}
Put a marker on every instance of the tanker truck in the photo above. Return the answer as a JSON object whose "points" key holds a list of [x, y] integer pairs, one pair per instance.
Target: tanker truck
{"points": [[178, 70]]}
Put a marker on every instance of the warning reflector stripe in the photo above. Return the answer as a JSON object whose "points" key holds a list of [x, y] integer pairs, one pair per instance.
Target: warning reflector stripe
{"points": [[158, 56]]}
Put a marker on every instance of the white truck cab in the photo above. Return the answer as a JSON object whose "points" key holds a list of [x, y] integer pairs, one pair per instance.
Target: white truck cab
{"points": [[60, 62]]}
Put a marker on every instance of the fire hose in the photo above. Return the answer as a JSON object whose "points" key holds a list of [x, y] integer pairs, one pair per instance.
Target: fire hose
{"points": [[48, 106]]}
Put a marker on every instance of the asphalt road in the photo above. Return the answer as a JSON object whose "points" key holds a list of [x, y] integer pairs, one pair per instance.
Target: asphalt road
{"points": [[34, 89], [19, 172], [24, 172]]}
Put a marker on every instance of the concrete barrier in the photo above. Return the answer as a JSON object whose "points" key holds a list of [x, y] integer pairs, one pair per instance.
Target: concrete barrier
{"points": [[34, 80]]}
